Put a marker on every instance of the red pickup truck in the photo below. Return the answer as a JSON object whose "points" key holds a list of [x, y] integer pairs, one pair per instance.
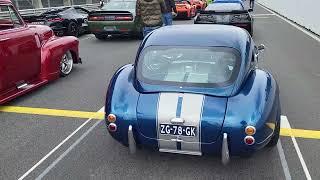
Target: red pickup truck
{"points": [[31, 55]]}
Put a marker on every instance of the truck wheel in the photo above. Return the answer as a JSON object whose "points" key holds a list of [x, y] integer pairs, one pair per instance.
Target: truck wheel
{"points": [[66, 64], [73, 29]]}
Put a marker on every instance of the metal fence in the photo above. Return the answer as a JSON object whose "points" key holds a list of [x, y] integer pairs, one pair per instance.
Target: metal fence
{"points": [[29, 12], [33, 4]]}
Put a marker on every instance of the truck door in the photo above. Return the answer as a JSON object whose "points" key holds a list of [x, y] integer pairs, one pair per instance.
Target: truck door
{"points": [[20, 48]]}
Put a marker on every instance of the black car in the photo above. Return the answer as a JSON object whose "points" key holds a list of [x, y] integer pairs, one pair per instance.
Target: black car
{"points": [[70, 21], [227, 14]]}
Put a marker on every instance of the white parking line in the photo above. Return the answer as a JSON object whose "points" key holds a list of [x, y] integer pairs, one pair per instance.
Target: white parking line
{"points": [[55, 162], [258, 15], [283, 161], [56, 148], [285, 124], [312, 35]]}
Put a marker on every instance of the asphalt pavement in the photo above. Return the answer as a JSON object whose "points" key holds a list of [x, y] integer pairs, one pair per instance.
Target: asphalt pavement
{"points": [[50, 147]]}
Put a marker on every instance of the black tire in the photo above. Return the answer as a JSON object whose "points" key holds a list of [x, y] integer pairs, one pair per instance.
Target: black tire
{"points": [[73, 29], [101, 37], [276, 135]]}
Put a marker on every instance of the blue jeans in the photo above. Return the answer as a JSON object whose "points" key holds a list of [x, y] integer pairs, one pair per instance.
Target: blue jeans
{"points": [[252, 4], [147, 30], [167, 19]]}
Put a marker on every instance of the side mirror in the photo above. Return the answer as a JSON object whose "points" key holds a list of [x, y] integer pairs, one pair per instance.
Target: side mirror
{"points": [[250, 10], [261, 48]]}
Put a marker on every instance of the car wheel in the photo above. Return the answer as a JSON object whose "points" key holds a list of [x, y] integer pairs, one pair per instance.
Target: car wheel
{"points": [[66, 64], [101, 37], [73, 29], [275, 138]]}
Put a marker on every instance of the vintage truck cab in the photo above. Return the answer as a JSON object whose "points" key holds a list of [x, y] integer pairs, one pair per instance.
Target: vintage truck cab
{"points": [[30, 55]]}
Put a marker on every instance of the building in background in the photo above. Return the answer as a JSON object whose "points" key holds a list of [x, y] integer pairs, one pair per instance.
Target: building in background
{"points": [[33, 4]]}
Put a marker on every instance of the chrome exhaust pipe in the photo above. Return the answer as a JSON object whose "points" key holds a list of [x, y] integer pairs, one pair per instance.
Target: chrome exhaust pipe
{"points": [[225, 157], [131, 141]]}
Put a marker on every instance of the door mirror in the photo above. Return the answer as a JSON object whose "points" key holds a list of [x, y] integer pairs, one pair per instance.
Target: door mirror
{"points": [[261, 48]]}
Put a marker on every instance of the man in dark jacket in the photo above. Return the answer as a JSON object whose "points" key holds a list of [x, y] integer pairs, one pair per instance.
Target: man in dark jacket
{"points": [[150, 13], [167, 15]]}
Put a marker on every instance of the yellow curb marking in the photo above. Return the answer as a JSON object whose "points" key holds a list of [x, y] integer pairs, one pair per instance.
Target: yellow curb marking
{"points": [[52, 112], [299, 133]]}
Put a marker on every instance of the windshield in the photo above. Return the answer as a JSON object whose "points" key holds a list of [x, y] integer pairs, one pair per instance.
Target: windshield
{"points": [[224, 7], [116, 5], [190, 66]]}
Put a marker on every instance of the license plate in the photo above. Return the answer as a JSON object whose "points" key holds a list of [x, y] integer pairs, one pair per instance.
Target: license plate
{"points": [[110, 18], [177, 130], [109, 28], [38, 23], [223, 19]]}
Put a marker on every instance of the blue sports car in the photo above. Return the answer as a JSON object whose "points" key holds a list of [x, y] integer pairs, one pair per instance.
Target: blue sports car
{"points": [[195, 89]]}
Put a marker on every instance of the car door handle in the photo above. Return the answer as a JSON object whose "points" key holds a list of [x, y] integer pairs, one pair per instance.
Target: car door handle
{"points": [[4, 39]]}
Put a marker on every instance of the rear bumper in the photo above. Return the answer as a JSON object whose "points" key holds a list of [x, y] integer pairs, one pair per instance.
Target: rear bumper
{"points": [[184, 13], [102, 27], [225, 146], [246, 26]]}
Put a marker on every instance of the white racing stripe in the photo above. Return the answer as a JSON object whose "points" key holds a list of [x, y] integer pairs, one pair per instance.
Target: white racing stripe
{"points": [[191, 112], [187, 107], [167, 106]]}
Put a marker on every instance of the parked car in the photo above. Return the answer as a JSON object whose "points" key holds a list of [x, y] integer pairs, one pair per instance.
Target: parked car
{"points": [[227, 13], [71, 21], [186, 9], [31, 55], [117, 18], [195, 89]]}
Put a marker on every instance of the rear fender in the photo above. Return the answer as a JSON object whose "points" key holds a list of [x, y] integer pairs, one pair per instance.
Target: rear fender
{"points": [[52, 52], [257, 105], [121, 100]]}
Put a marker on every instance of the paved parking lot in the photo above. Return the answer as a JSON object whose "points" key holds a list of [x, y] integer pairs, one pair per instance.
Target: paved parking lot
{"points": [[39, 141]]}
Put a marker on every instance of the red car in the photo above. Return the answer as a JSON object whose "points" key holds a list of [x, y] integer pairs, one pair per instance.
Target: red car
{"points": [[186, 8], [30, 55], [200, 4]]}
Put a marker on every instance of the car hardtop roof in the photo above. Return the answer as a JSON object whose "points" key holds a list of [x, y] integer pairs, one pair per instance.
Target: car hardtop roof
{"points": [[199, 35]]}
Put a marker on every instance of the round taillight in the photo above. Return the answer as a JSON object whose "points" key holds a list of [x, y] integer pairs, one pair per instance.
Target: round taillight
{"points": [[249, 140], [111, 118], [250, 130], [112, 127]]}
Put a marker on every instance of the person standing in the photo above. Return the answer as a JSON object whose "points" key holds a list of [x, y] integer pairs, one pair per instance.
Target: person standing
{"points": [[150, 13], [251, 4], [167, 15]]}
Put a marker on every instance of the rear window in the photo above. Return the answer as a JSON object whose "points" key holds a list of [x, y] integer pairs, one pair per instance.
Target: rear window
{"points": [[118, 5], [224, 7], [188, 66]]}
